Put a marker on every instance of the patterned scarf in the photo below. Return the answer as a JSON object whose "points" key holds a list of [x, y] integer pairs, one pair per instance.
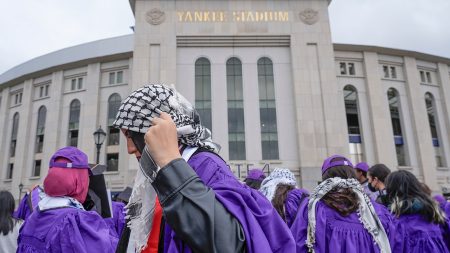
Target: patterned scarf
{"points": [[366, 212], [278, 176], [135, 114], [146, 103]]}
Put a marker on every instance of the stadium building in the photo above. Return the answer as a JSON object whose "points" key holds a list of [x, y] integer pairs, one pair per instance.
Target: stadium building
{"points": [[265, 78]]}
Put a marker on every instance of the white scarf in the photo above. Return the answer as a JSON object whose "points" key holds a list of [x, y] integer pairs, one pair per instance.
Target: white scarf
{"points": [[278, 176], [366, 212]]}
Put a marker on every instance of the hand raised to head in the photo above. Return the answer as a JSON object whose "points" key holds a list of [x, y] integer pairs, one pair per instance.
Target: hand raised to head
{"points": [[162, 141]]}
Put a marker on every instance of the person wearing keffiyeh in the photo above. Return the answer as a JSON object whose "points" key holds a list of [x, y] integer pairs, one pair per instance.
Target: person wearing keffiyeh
{"points": [[206, 209], [339, 217], [280, 188]]}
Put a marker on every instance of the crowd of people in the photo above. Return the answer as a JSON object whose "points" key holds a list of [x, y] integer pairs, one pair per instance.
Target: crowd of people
{"points": [[186, 199]]}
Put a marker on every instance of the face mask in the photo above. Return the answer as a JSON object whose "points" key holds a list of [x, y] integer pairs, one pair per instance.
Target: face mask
{"points": [[371, 188]]}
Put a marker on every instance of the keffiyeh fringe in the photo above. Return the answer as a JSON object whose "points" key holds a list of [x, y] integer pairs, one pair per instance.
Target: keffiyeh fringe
{"points": [[366, 212]]}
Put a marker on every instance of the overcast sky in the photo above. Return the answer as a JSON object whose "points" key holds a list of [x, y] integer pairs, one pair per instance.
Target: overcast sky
{"points": [[30, 28]]}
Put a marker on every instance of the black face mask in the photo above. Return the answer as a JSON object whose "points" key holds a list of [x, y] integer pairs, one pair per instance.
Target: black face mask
{"points": [[371, 188]]}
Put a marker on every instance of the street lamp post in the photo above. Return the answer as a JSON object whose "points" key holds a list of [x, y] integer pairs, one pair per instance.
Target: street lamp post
{"points": [[99, 138], [20, 191]]}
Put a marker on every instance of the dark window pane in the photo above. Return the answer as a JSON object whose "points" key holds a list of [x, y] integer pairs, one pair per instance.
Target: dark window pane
{"points": [[112, 161], [10, 172], [351, 109], [114, 136], [37, 168], [73, 138], [203, 90]]}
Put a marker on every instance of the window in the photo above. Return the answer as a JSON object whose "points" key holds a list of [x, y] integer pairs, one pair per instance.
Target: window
{"points": [[74, 118], [10, 171], [394, 108], [40, 129], [386, 71], [112, 161], [267, 110], [15, 128], [389, 71], [46, 90], [114, 102], [343, 68], [347, 68], [353, 128], [422, 76], [428, 77], [116, 77], [37, 168], [235, 103], [76, 83], [41, 91], [425, 77], [393, 72], [18, 98], [203, 91], [431, 111], [351, 69]]}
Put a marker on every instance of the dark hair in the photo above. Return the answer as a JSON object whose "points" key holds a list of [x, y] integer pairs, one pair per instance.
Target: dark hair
{"points": [[252, 183], [426, 188], [379, 171], [406, 195], [6, 209], [279, 198], [343, 200], [138, 140], [364, 173]]}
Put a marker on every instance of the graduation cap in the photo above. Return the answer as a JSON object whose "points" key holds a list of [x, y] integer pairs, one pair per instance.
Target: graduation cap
{"points": [[125, 195], [98, 198]]}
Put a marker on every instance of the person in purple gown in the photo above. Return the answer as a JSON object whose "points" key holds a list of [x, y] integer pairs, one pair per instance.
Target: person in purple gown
{"points": [[206, 208], [421, 226], [339, 217], [28, 203], [59, 224], [280, 188], [254, 178], [117, 221]]}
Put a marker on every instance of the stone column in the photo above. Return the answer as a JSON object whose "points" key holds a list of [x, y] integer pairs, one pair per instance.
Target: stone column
{"points": [[444, 77], [423, 142], [89, 114], [384, 146], [4, 124]]}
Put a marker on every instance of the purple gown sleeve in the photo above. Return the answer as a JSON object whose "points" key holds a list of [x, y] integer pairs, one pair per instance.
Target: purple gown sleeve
{"points": [[23, 211], [83, 232]]}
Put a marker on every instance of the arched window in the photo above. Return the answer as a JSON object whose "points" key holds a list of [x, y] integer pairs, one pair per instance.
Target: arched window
{"points": [[74, 121], [12, 147], [267, 110], [114, 102], [235, 100], [203, 91], [40, 129], [394, 108], [432, 120], [353, 127], [15, 129]]}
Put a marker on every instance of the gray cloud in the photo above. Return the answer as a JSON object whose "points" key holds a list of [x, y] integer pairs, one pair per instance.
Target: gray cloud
{"points": [[31, 28]]}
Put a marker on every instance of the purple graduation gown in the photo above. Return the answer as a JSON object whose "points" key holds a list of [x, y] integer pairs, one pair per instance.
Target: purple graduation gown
{"points": [[339, 234], [27, 204], [66, 230], [117, 222], [414, 234], [293, 201], [264, 229]]}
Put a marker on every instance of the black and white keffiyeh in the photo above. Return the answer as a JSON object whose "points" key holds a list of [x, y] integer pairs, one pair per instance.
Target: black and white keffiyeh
{"points": [[146, 103], [366, 212], [278, 176], [135, 114]]}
